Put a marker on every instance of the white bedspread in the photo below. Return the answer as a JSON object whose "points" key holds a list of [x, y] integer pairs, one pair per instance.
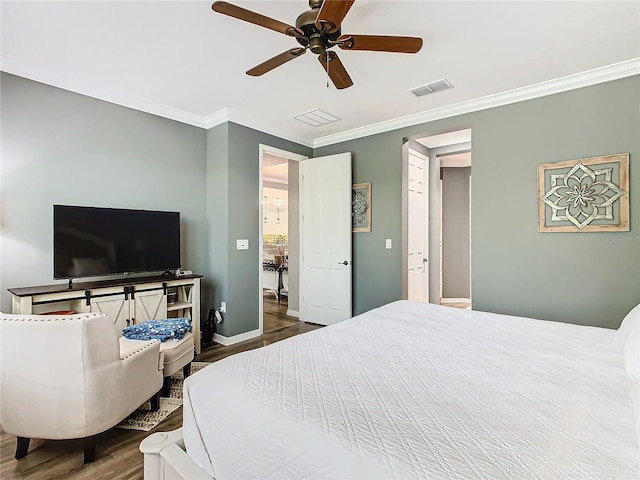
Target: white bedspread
{"points": [[413, 390]]}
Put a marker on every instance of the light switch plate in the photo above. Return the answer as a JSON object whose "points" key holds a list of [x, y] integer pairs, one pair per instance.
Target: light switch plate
{"points": [[242, 244], [388, 244]]}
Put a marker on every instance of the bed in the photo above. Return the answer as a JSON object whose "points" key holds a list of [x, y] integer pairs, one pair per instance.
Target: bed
{"points": [[412, 390]]}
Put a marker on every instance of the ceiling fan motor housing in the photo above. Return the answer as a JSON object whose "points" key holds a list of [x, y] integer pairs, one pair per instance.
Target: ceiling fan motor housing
{"points": [[318, 41]]}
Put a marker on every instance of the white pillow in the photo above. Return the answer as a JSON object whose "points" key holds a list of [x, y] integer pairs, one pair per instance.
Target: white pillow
{"points": [[632, 354], [635, 395], [629, 339], [630, 323]]}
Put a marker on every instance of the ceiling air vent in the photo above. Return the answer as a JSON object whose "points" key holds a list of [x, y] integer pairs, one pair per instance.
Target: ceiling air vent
{"points": [[316, 117], [432, 87]]}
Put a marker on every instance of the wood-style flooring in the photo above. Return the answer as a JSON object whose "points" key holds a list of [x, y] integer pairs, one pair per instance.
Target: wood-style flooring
{"points": [[117, 452], [464, 305], [275, 317]]}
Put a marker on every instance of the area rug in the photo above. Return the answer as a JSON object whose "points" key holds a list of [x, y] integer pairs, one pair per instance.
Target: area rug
{"points": [[144, 419]]}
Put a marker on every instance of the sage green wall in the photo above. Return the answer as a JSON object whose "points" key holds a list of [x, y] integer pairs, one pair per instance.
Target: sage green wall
{"points": [[217, 198], [583, 278], [586, 278], [456, 261], [59, 147], [293, 274], [240, 289]]}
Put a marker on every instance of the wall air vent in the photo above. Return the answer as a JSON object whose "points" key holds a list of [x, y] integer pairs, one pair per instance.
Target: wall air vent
{"points": [[316, 117], [432, 87]]}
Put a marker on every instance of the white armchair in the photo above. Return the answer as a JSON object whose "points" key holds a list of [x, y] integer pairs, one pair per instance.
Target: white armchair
{"points": [[66, 377]]}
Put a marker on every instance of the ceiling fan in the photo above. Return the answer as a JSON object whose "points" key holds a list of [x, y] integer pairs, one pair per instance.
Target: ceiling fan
{"points": [[318, 30]]}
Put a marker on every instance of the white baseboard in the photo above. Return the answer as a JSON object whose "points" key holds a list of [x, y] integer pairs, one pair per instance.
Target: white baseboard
{"points": [[241, 337], [293, 313], [455, 300]]}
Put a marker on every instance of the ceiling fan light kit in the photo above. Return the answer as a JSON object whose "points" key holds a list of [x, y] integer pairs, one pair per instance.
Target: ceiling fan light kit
{"points": [[318, 30]]}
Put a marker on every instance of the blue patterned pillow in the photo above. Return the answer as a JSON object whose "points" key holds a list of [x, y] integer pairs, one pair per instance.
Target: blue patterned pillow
{"points": [[165, 329]]}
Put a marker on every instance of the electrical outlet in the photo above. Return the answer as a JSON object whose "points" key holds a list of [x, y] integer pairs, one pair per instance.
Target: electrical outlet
{"points": [[223, 307], [242, 244]]}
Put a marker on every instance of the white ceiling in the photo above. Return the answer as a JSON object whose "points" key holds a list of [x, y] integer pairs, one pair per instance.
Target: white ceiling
{"points": [[181, 60], [275, 170], [456, 160], [450, 138]]}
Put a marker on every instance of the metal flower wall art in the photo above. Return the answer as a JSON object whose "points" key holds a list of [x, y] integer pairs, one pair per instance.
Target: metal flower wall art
{"points": [[586, 195]]}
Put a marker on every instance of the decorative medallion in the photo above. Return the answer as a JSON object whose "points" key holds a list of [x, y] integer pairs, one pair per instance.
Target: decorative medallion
{"points": [[590, 194], [361, 207]]}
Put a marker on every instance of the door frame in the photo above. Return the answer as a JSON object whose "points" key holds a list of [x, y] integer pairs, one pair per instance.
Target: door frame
{"points": [[262, 149], [443, 163], [456, 146]]}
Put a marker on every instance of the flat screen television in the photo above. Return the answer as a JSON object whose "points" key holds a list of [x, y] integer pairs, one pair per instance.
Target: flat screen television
{"points": [[92, 241]]}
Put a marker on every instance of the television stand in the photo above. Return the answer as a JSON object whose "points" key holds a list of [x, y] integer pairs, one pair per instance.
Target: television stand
{"points": [[127, 300]]}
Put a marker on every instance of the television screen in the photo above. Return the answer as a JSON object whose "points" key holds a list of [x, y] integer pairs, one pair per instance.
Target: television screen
{"points": [[90, 241]]}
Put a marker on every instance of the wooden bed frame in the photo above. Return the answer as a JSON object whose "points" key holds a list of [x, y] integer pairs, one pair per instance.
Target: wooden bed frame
{"points": [[165, 458]]}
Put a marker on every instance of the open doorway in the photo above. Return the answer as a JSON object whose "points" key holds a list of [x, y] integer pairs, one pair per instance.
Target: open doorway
{"points": [[455, 231], [437, 233], [279, 239]]}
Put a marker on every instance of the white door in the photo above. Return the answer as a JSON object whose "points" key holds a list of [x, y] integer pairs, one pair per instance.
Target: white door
{"points": [[325, 192], [418, 228]]}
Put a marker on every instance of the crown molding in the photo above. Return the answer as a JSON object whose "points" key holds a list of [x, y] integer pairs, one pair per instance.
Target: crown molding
{"points": [[251, 121], [134, 104], [595, 76], [608, 73], [235, 116], [275, 180], [170, 113], [215, 119], [161, 111]]}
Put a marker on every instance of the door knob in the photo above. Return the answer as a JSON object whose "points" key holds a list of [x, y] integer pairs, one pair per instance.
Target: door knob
{"points": [[343, 263]]}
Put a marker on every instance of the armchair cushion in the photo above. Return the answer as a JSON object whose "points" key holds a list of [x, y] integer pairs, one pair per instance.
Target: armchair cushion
{"points": [[177, 353], [131, 347]]}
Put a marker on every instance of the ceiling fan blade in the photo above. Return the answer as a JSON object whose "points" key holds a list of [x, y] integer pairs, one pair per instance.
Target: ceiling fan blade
{"points": [[253, 17], [332, 13], [380, 43], [276, 61], [336, 70]]}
